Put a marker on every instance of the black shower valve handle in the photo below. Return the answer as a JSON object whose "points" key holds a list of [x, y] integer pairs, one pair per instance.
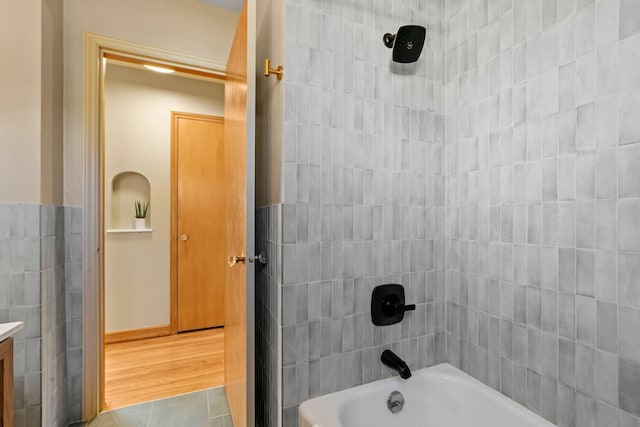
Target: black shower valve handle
{"points": [[408, 307], [388, 305], [392, 306]]}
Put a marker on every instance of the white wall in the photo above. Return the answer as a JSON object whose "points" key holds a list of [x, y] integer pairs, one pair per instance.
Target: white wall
{"points": [[30, 103], [184, 26], [270, 103], [51, 144], [138, 138]]}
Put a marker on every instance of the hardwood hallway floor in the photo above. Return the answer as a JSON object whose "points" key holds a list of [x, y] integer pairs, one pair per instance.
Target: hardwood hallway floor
{"points": [[155, 368]]}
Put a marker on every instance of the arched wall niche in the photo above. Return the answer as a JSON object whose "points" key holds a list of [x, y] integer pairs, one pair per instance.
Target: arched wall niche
{"points": [[126, 188]]}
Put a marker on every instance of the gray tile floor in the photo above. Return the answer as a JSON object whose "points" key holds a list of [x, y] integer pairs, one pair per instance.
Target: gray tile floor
{"points": [[207, 408]]}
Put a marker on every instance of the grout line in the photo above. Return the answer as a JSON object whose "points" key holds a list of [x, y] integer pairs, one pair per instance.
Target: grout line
{"points": [[153, 406], [208, 405]]}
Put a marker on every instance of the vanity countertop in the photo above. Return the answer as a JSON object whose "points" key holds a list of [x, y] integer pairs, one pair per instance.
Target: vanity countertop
{"points": [[8, 330]]}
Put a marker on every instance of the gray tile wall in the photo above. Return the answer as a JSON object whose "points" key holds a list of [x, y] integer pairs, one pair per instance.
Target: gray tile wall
{"points": [[20, 300], [54, 354], [34, 254], [543, 203], [363, 193], [32, 280], [268, 316], [73, 303]]}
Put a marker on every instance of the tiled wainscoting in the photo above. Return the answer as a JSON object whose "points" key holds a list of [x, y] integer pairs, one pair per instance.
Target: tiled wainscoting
{"points": [[39, 245], [268, 316], [73, 313]]}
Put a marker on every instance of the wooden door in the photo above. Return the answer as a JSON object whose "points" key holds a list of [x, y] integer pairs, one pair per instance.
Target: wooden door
{"points": [[239, 115], [199, 217]]}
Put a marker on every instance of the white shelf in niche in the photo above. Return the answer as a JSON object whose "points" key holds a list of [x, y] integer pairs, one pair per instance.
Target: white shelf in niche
{"points": [[129, 230]]}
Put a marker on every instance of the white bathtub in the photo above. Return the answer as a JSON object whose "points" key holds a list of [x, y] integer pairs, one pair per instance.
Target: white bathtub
{"points": [[439, 396]]}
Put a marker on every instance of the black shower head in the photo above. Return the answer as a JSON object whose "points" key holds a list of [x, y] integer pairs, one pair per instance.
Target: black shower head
{"points": [[407, 43]]}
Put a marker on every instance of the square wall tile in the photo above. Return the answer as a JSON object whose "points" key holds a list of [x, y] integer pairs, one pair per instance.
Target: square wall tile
{"points": [[629, 18], [629, 171], [629, 116], [629, 278], [629, 385], [629, 225], [628, 332]]}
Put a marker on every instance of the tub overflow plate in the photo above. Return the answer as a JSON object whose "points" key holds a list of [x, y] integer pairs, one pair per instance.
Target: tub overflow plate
{"points": [[395, 402]]}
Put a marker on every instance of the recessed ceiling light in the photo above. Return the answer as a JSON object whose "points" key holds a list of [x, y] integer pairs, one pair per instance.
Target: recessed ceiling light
{"points": [[157, 69]]}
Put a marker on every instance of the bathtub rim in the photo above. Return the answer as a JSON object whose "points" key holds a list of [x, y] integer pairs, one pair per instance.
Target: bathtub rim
{"points": [[315, 405]]}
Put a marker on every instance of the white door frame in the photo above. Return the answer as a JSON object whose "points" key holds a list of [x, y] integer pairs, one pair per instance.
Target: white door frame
{"points": [[95, 46]]}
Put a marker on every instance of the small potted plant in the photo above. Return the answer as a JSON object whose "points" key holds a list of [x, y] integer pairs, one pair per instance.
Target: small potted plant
{"points": [[141, 214]]}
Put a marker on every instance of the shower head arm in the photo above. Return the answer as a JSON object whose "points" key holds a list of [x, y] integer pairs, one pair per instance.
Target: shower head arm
{"points": [[389, 39]]}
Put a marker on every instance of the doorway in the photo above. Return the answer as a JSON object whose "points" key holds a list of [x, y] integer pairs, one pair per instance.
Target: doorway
{"points": [[239, 322], [163, 260]]}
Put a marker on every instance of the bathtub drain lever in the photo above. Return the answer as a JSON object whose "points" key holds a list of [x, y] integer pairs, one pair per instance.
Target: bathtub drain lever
{"points": [[395, 402]]}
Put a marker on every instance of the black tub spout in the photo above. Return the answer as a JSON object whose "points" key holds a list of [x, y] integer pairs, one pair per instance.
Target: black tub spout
{"points": [[390, 359]]}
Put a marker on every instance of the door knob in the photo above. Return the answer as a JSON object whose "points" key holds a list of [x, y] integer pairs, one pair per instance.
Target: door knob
{"points": [[184, 237], [236, 259]]}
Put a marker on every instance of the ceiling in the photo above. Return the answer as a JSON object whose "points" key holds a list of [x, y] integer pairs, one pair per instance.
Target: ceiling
{"points": [[235, 5]]}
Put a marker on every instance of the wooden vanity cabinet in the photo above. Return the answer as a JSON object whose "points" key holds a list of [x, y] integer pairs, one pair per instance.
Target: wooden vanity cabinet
{"points": [[6, 391]]}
